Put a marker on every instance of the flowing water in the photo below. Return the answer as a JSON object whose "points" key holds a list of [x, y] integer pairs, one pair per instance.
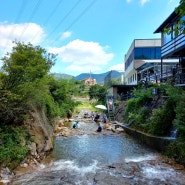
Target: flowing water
{"points": [[102, 159]]}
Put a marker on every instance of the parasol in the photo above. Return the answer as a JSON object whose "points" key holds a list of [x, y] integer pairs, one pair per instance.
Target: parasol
{"points": [[101, 107]]}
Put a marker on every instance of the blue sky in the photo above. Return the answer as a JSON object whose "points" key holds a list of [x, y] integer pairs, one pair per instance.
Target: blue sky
{"points": [[88, 35]]}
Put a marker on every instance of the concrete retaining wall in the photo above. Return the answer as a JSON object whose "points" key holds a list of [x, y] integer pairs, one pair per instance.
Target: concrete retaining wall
{"points": [[158, 143]]}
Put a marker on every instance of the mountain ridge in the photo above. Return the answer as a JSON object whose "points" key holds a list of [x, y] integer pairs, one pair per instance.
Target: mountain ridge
{"points": [[99, 77]]}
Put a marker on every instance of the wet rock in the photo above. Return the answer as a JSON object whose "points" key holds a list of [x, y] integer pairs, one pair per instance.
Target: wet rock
{"points": [[64, 131], [24, 165], [33, 148], [5, 176], [48, 145], [68, 179], [119, 129], [104, 178]]}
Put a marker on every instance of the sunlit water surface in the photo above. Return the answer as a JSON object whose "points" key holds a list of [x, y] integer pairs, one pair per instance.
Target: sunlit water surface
{"points": [[77, 159], [105, 149]]}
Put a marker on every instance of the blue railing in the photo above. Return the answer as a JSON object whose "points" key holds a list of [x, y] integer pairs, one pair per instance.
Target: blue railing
{"points": [[173, 46]]}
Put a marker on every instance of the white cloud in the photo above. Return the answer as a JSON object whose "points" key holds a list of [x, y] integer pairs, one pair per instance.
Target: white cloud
{"points": [[27, 32], [173, 3], [144, 1], [66, 35], [118, 67], [83, 56]]}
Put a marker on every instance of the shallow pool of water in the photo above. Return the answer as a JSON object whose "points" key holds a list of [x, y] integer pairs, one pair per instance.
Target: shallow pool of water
{"points": [[105, 149]]}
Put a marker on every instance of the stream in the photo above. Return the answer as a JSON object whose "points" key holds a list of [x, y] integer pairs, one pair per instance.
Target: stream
{"points": [[106, 158]]}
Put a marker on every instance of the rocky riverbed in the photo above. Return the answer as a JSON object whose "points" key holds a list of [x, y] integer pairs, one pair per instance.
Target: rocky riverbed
{"points": [[153, 170]]}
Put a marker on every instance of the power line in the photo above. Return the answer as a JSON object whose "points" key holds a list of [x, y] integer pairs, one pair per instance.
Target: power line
{"points": [[82, 13], [31, 16], [51, 14], [22, 8], [78, 17], [35, 9], [64, 18], [54, 10]]}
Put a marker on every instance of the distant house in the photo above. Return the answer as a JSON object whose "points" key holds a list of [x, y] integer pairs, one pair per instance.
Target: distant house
{"points": [[89, 82], [173, 45]]}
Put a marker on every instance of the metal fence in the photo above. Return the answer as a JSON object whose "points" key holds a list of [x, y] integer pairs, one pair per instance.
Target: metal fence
{"points": [[176, 75]]}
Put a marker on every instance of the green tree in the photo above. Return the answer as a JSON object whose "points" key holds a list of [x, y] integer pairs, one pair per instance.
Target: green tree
{"points": [[180, 26], [25, 64], [24, 79], [98, 93], [62, 91]]}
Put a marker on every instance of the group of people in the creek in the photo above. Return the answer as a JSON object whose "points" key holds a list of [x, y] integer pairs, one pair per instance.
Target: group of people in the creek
{"points": [[96, 118]]}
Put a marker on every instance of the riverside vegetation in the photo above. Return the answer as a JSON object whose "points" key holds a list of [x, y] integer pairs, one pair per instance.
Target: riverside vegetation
{"points": [[32, 101], [159, 115]]}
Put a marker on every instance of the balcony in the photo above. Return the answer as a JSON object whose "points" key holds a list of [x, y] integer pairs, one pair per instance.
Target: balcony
{"points": [[176, 76], [174, 48]]}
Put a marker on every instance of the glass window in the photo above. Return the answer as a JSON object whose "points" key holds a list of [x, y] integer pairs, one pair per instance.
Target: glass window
{"points": [[147, 53], [138, 53], [129, 60], [157, 53], [166, 37], [170, 35], [182, 26]]}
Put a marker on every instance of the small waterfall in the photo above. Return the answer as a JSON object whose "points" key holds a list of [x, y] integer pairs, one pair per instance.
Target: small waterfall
{"points": [[173, 133]]}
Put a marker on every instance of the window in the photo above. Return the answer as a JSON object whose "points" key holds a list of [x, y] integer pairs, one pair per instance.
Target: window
{"points": [[147, 53], [157, 53], [129, 60]]}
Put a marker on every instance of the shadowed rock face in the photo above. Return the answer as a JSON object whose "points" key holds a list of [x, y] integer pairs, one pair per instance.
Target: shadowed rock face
{"points": [[42, 132]]}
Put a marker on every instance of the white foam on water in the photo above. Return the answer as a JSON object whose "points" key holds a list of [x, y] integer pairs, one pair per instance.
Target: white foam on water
{"points": [[42, 166], [72, 166], [141, 158], [157, 172]]}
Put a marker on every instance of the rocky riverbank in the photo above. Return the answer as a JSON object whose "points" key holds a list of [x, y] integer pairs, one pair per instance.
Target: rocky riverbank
{"points": [[61, 128]]}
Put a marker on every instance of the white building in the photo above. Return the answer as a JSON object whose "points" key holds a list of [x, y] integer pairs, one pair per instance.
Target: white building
{"points": [[143, 60]]}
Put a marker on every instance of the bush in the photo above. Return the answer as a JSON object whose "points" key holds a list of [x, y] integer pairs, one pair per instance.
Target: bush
{"points": [[180, 115], [13, 147], [137, 111], [161, 120], [176, 150], [141, 114]]}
